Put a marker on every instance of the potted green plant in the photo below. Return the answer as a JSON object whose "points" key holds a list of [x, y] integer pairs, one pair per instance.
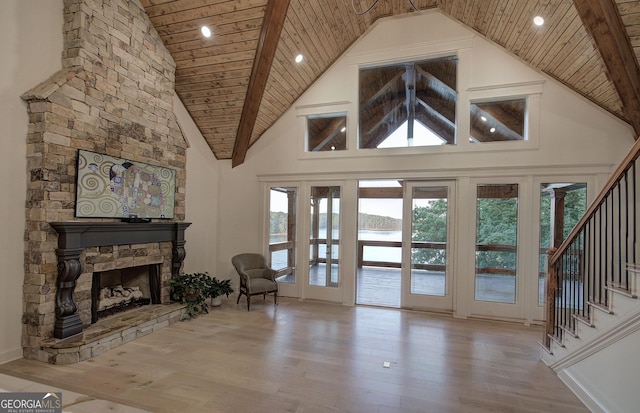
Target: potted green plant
{"points": [[194, 289], [217, 288]]}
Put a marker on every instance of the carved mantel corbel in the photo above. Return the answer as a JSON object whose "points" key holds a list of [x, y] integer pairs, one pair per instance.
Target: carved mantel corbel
{"points": [[67, 322]]}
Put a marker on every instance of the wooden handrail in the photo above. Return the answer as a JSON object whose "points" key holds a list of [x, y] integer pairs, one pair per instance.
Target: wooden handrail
{"points": [[626, 163]]}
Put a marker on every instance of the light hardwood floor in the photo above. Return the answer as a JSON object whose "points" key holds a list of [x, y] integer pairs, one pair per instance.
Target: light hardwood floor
{"points": [[314, 357]]}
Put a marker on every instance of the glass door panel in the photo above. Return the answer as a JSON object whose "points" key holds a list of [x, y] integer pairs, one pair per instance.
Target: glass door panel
{"points": [[561, 207], [324, 242], [379, 276], [282, 233], [429, 215], [496, 243], [333, 237], [427, 246]]}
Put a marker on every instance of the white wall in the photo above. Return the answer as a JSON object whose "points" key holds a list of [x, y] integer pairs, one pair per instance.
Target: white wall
{"points": [[608, 380], [31, 47], [202, 197], [574, 136]]}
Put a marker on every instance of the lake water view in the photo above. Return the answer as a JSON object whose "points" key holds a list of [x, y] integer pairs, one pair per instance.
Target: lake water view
{"points": [[388, 254]]}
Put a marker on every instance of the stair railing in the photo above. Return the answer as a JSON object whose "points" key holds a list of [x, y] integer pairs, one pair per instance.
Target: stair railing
{"points": [[593, 260]]}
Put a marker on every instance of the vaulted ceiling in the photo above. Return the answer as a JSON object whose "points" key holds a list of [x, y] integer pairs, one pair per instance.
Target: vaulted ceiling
{"points": [[238, 82]]}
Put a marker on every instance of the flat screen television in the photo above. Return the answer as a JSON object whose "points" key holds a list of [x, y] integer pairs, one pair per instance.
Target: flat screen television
{"points": [[110, 187]]}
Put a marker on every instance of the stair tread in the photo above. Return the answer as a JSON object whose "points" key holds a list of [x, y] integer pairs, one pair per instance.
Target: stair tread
{"points": [[584, 320], [622, 290], [570, 331], [545, 348], [633, 267], [601, 307], [557, 340]]}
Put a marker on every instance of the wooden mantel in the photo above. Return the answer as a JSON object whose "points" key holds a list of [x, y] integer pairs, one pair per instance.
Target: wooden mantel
{"points": [[74, 237], [94, 234]]}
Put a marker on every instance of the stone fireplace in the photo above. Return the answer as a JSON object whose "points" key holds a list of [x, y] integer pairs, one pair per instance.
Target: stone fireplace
{"points": [[113, 96], [86, 249]]}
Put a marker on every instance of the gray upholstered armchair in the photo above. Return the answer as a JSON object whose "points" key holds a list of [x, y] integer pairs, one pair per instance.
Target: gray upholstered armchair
{"points": [[255, 277]]}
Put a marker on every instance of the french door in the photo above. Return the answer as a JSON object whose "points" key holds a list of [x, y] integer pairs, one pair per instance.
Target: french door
{"points": [[427, 245], [499, 209], [323, 281], [282, 237]]}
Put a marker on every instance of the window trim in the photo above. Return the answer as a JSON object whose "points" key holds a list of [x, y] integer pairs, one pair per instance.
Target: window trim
{"points": [[323, 109], [531, 91], [333, 115]]}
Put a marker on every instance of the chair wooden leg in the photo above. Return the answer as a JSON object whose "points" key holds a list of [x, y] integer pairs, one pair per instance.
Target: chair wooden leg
{"points": [[275, 298], [248, 302], [239, 295]]}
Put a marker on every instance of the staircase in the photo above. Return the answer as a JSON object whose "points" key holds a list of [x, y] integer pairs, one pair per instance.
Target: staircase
{"points": [[592, 335]]}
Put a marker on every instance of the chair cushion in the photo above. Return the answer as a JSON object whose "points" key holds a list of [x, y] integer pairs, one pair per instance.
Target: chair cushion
{"points": [[261, 285]]}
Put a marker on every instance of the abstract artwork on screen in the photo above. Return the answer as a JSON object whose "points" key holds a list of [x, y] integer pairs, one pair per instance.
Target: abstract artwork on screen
{"points": [[110, 187]]}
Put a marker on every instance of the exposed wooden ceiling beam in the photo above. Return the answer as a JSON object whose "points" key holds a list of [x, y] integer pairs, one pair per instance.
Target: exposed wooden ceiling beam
{"points": [[603, 22], [274, 18]]}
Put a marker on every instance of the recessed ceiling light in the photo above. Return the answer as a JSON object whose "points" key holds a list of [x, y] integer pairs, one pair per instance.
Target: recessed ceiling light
{"points": [[344, 128], [538, 21], [492, 130], [206, 32], [299, 58], [483, 118], [333, 148]]}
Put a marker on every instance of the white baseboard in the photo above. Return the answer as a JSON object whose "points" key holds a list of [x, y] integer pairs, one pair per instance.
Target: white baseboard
{"points": [[11, 355], [581, 392]]}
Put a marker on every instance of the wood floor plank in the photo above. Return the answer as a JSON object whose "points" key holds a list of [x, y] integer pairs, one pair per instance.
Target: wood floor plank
{"points": [[305, 356]]}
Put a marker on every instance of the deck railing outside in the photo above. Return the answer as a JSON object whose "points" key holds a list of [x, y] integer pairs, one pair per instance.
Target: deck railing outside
{"points": [[362, 244], [595, 257]]}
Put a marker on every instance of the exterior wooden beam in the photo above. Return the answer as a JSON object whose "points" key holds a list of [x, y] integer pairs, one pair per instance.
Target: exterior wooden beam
{"points": [[274, 18], [602, 20]]}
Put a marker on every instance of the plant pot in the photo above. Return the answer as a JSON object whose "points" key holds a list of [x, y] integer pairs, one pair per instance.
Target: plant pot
{"points": [[216, 301]]}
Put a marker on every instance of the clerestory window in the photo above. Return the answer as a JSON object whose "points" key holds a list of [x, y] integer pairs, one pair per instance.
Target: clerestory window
{"points": [[408, 104], [327, 132], [498, 120]]}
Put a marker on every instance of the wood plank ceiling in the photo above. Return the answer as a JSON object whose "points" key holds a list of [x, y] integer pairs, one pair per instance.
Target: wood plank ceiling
{"points": [[213, 75]]}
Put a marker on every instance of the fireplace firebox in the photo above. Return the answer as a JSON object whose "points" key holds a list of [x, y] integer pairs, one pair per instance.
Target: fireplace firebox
{"points": [[119, 290]]}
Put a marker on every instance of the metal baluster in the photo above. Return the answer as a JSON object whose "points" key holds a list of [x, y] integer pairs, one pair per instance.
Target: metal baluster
{"points": [[572, 298], [635, 219], [587, 273], [597, 294], [619, 231], [609, 253]]}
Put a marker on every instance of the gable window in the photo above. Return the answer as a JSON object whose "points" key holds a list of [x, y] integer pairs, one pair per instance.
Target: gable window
{"points": [[327, 132], [408, 104], [498, 120]]}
